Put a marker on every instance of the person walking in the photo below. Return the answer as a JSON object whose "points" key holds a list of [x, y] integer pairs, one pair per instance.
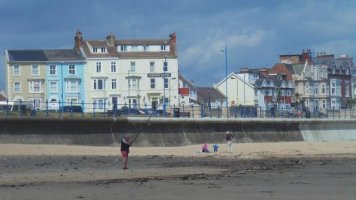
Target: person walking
{"points": [[228, 138], [125, 149]]}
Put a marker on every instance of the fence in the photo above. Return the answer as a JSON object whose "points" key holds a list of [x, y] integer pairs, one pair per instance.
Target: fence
{"points": [[67, 109]]}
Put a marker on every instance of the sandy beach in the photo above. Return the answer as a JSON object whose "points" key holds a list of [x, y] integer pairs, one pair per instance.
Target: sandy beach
{"points": [[285, 170]]}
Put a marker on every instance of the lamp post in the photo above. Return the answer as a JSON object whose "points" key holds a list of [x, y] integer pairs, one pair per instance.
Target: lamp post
{"points": [[165, 65], [224, 50], [209, 103], [62, 90], [244, 90]]}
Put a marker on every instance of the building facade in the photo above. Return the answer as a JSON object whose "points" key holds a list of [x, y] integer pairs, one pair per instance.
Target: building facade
{"points": [[99, 75]]}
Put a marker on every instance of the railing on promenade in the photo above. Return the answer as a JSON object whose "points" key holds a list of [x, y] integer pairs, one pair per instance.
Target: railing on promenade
{"points": [[93, 110]]}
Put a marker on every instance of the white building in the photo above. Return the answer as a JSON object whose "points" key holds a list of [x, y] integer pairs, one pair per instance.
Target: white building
{"points": [[239, 90], [132, 73]]}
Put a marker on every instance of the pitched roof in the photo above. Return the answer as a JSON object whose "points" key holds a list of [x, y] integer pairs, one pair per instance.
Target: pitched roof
{"points": [[142, 42], [63, 55], [43, 55], [203, 94], [112, 50], [2, 95], [26, 55]]}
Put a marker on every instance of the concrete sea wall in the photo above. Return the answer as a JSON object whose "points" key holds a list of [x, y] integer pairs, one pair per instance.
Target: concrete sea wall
{"points": [[171, 131]]}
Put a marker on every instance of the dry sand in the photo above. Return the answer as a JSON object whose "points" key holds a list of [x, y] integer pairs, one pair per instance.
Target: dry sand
{"points": [[265, 170]]}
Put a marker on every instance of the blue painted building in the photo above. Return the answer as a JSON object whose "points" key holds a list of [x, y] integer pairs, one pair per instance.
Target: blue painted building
{"points": [[65, 79]]}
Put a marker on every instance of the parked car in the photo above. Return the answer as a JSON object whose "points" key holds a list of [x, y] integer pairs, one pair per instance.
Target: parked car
{"points": [[130, 111], [147, 111], [70, 109]]}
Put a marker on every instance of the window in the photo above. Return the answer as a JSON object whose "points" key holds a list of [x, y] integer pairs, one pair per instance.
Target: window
{"points": [[152, 66], [323, 89], [133, 83], [153, 83], [132, 67], [315, 88], [324, 104], [333, 87], [53, 86], [145, 47], [163, 47], [52, 70], [35, 86], [99, 103], [306, 89], [35, 71], [73, 101], [123, 48], [95, 50], [98, 67], [72, 86], [36, 102], [134, 47], [103, 50], [99, 84], [113, 84], [17, 71], [165, 83], [347, 89], [113, 66], [165, 66], [17, 87], [333, 104], [316, 104], [71, 69]]}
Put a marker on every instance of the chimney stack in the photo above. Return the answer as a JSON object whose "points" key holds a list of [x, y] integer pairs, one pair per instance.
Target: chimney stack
{"points": [[78, 40], [110, 39]]}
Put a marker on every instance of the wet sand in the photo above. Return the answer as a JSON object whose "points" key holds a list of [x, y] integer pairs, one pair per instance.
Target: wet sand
{"points": [[290, 170]]}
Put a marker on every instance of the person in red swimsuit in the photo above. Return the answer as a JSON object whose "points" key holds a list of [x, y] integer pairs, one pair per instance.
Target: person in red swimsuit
{"points": [[125, 149]]}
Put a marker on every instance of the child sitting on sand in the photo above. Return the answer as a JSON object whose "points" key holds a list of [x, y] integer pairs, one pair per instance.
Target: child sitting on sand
{"points": [[205, 148]]}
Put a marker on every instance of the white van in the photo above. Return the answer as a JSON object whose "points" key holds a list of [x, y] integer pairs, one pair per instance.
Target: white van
{"points": [[12, 106]]}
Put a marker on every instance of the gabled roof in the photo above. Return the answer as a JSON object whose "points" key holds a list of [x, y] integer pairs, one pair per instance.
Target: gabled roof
{"points": [[2, 95], [183, 79], [215, 95], [88, 45]]}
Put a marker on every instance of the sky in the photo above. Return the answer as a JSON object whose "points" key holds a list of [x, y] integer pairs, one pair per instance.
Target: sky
{"points": [[255, 32]]}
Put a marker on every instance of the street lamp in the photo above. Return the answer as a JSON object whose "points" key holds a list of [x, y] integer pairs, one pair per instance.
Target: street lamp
{"points": [[244, 90], [209, 103], [224, 50], [165, 65]]}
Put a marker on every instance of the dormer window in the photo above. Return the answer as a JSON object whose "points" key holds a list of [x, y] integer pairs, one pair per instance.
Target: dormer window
{"points": [[145, 47], [134, 48], [95, 50], [103, 50], [163, 47], [123, 48]]}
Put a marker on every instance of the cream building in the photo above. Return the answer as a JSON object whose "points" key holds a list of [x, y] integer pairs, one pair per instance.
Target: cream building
{"points": [[132, 73], [25, 73]]}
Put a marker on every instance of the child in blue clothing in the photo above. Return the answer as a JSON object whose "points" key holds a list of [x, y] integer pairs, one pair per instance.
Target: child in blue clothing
{"points": [[215, 147]]}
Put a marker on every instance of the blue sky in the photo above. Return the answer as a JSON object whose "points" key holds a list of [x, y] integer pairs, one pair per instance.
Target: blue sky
{"points": [[256, 32]]}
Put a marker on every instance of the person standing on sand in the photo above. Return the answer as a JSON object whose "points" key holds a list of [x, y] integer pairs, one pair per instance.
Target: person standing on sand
{"points": [[125, 149], [228, 138]]}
